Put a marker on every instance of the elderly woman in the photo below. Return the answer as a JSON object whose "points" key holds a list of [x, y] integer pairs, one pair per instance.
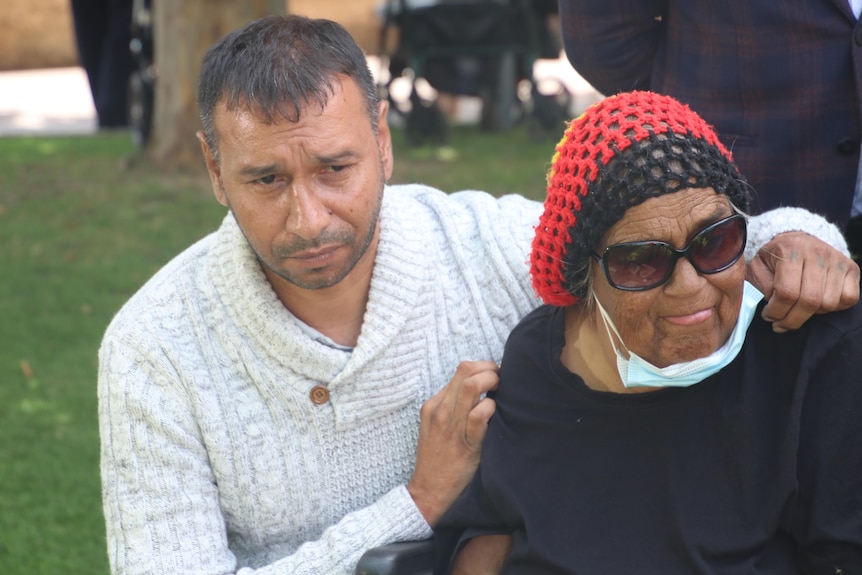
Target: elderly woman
{"points": [[648, 420]]}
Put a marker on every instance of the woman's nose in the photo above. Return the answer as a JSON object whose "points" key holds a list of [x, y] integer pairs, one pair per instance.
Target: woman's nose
{"points": [[684, 277]]}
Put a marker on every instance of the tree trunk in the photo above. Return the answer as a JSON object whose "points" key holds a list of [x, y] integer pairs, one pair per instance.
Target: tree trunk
{"points": [[183, 31]]}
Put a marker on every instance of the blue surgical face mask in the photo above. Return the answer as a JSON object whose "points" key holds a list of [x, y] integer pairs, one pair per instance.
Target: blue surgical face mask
{"points": [[638, 372]]}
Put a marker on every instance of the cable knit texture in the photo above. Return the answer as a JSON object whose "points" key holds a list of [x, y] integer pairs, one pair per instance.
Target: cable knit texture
{"points": [[781, 220], [213, 456]]}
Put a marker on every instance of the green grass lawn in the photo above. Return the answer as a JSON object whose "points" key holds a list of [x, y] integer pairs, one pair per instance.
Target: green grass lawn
{"points": [[84, 222]]}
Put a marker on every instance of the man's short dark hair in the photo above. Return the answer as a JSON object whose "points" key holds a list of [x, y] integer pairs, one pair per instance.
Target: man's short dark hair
{"points": [[277, 65]]}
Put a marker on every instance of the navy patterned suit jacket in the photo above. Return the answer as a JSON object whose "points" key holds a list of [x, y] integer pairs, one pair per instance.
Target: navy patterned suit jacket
{"points": [[780, 80]]}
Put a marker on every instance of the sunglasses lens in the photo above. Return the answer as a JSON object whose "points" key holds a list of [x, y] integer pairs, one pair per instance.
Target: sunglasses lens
{"points": [[716, 248], [639, 265]]}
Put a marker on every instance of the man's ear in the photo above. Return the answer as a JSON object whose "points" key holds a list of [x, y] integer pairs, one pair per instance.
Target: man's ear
{"points": [[384, 139], [213, 169]]}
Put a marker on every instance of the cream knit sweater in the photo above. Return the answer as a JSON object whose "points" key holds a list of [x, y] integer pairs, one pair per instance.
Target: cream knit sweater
{"points": [[214, 457]]}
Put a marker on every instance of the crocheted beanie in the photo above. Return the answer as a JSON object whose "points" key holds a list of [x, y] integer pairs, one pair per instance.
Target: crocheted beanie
{"points": [[622, 151]]}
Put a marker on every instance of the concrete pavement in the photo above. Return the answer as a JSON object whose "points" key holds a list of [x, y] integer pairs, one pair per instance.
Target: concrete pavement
{"points": [[53, 101]]}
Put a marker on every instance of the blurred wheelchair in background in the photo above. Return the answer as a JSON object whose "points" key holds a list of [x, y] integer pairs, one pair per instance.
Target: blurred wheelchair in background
{"points": [[481, 48], [143, 77]]}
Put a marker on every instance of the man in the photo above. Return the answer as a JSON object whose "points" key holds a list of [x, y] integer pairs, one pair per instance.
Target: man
{"points": [[264, 399], [780, 81]]}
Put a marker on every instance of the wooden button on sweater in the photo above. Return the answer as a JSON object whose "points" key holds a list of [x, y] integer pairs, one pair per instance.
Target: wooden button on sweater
{"points": [[319, 394]]}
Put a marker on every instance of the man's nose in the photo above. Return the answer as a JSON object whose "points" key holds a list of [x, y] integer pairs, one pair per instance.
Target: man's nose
{"points": [[307, 215]]}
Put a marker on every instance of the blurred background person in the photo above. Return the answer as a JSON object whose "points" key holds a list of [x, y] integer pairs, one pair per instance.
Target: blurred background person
{"points": [[102, 35]]}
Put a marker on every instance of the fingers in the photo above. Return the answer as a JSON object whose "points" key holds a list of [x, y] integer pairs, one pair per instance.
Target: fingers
{"points": [[841, 288], [778, 278], [759, 275], [811, 285], [461, 404], [471, 381], [851, 288], [792, 303], [479, 378], [452, 426], [809, 277], [477, 421]]}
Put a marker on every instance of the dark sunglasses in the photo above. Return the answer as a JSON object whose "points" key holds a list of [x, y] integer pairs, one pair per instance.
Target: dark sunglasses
{"points": [[639, 266]]}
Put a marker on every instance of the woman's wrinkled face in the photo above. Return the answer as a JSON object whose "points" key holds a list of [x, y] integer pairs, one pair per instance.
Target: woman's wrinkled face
{"points": [[689, 316]]}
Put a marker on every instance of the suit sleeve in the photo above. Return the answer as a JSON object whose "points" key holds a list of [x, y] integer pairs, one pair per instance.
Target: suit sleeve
{"points": [[612, 43]]}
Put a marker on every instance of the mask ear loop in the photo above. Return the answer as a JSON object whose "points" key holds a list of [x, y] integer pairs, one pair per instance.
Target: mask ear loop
{"points": [[611, 329]]}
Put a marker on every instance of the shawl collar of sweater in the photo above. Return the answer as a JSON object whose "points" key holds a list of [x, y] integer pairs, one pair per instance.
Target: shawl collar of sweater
{"points": [[397, 284]]}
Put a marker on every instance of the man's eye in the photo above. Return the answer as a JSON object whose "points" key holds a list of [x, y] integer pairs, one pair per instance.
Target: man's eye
{"points": [[266, 180], [335, 169]]}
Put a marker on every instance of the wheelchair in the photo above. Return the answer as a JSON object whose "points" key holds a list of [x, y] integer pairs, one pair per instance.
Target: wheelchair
{"points": [[407, 558], [483, 48]]}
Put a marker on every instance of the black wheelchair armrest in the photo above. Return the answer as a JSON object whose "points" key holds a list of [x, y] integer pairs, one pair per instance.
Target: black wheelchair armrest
{"points": [[407, 558]]}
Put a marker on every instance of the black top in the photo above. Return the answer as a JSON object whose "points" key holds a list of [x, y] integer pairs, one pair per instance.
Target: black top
{"points": [[755, 470]]}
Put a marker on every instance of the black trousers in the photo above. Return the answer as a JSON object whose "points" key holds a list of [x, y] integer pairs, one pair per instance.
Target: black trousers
{"points": [[102, 34]]}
